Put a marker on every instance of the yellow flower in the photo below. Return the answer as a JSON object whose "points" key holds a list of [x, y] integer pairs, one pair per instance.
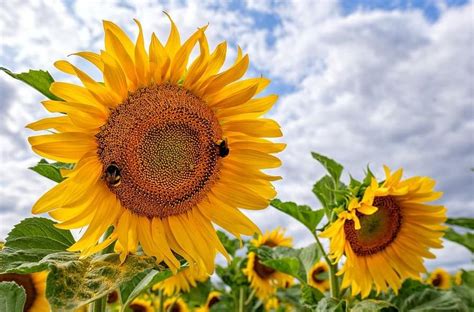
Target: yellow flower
{"points": [[314, 278], [141, 305], [35, 288], [439, 278], [163, 148], [182, 281], [272, 304], [458, 278], [384, 246], [264, 279], [212, 299], [175, 305], [272, 239]]}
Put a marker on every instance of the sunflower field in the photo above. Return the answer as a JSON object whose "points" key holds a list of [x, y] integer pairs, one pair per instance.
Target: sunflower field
{"points": [[154, 163]]}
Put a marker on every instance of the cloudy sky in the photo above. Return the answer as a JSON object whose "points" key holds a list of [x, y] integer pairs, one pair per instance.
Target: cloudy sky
{"points": [[365, 82]]}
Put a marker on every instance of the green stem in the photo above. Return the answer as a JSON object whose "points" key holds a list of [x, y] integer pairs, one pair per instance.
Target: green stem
{"points": [[241, 299], [249, 299], [333, 282], [161, 301]]}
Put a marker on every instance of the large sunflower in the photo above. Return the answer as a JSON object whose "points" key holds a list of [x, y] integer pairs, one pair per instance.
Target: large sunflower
{"points": [[35, 287], [263, 279], [162, 149], [317, 276], [141, 305], [439, 278], [387, 234], [182, 281]]}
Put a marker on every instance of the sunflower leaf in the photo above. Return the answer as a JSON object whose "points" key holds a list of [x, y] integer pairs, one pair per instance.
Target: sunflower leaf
{"points": [[310, 296], [327, 304], [304, 214], [39, 79], [371, 305], [333, 168], [139, 283], [433, 300], [51, 171], [466, 239], [463, 222], [12, 297]]}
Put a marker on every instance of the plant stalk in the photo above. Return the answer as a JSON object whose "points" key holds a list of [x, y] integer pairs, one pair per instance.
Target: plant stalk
{"points": [[241, 299], [333, 282]]}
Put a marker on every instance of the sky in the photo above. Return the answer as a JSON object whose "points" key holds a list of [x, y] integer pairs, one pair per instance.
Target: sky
{"points": [[364, 82]]}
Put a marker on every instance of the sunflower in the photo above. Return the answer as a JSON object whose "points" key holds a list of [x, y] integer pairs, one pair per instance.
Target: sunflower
{"points": [[315, 279], [141, 305], [35, 287], [386, 235], [439, 278], [458, 278], [113, 297], [161, 149], [182, 281], [212, 299], [272, 304], [175, 305], [264, 279]]}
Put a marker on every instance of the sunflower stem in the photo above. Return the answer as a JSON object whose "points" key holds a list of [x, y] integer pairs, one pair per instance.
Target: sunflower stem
{"points": [[241, 299], [333, 282], [249, 299]]}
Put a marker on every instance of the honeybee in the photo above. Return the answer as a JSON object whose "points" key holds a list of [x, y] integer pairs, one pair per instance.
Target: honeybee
{"points": [[223, 147], [112, 175]]}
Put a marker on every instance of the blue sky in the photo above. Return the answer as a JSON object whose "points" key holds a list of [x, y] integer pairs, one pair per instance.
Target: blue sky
{"points": [[365, 82]]}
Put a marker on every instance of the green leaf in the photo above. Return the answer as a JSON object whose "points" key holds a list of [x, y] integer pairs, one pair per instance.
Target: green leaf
{"points": [[51, 170], [12, 297], [308, 217], [39, 79], [433, 300], [39, 234], [330, 305], [323, 189], [289, 266], [333, 168], [141, 282], [466, 239], [230, 244], [310, 296], [467, 278], [371, 305], [309, 255], [466, 294], [73, 282], [464, 222]]}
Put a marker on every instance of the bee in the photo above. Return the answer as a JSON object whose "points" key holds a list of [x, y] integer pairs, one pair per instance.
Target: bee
{"points": [[223, 147], [112, 175]]}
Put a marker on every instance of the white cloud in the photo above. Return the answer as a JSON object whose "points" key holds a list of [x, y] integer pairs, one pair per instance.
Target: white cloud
{"points": [[370, 87]]}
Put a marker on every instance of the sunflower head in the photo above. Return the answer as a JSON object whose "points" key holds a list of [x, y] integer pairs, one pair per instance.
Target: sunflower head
{"points": [[163, 146], [181, 282], [265, 280], [175, 304], [141, 305], [35, 289], [318, 276], [113, 297], [386, 234], [458, 278], [274, 238], [439, 278]]}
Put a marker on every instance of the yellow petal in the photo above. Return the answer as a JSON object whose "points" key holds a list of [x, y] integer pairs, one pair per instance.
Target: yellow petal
{"points": [[142, 65], [174, 41], [257, 128]]}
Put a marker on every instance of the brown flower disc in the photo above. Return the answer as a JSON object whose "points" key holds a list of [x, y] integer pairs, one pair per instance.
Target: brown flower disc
{"points": [[315, 274], [24, 280], [378, 230], [262, 270], [160, 150]]}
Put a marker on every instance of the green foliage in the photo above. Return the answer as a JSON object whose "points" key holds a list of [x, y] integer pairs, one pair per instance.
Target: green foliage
{"points": [[330, 305], [333, 167], [371, 305], [12, 297], [198, 295], [464, 222], [39, 79], [51, 170], [140, 283], [310, 296], [294, 262], [466, 239], [230, 244], [304, 214], [433, 300], [232, 275]]}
